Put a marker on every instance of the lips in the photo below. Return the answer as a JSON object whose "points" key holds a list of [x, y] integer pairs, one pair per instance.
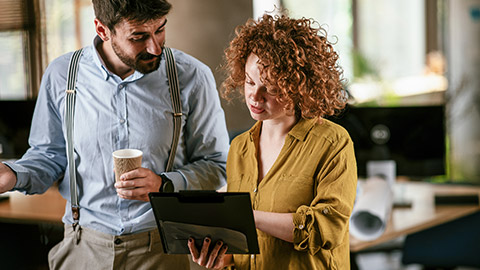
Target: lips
{"points": [[146, 57], [149, 59], [256, 110]]}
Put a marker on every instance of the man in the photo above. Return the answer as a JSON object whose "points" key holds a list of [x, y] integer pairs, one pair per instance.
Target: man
{"points": [[122, 101]]}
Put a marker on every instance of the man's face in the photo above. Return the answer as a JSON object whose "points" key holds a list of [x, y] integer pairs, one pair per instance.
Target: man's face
{"points": [[139, 45]]}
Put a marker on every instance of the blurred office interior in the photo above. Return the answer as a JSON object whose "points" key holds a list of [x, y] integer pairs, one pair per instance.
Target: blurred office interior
{"points": [[395, 54]]}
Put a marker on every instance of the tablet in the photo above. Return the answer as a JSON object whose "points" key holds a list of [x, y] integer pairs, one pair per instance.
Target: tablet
{"points": [[226, 216]]}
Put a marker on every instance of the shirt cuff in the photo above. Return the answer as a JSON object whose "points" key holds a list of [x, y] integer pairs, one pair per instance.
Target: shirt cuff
{"points": [[305, 238], [178, 180], [21, 174]]}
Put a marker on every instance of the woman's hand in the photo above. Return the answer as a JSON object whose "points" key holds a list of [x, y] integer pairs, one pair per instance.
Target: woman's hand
{"points": [[214, 258]]}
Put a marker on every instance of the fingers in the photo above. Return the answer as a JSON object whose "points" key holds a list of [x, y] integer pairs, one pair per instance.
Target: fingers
{"points": [[126, 184], [131, 179], [203, 259], [140, 194], [220, 261], [136, 184], [137, 173], [193, 249], [208, 257], [213, 257]]}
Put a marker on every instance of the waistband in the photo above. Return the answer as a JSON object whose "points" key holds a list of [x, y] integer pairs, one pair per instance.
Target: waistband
{"points": [[147, 238]]}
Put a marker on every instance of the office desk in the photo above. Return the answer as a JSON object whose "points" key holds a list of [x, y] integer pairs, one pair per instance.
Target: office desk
{"points": [[30, 225], [19, 208], [422, 214]]}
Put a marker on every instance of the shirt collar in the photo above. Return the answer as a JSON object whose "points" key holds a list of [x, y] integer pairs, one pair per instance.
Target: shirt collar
{"points": [[101, 64], [255, 131], [98, 60], [299, 131]]}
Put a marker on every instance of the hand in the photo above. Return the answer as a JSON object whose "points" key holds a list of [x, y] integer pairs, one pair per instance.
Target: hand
{"points": [[8, 179], [214, 259], [136, 184]]}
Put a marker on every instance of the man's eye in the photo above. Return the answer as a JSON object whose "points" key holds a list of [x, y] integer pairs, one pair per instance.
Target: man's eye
{"points": [[136, 39]]}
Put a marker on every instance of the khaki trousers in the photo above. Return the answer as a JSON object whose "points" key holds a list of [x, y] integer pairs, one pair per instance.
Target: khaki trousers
{"points": [[90, 249]]}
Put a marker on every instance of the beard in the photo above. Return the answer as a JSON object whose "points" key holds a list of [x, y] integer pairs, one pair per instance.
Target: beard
{"points": [[137, 62]]}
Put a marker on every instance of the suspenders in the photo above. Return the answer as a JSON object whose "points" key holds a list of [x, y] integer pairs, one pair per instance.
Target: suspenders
{"points": [[69, 116], [70, 113], [177, 106]]}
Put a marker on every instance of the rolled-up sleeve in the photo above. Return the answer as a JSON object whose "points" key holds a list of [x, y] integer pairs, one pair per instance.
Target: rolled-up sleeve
{"points": [[324, 223]]}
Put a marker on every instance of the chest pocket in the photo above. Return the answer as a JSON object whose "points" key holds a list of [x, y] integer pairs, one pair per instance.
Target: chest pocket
{"points": [[292, 191]]}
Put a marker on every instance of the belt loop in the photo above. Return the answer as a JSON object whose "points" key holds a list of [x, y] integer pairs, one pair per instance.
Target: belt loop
{"points": [[150, 241], [77, 230]]}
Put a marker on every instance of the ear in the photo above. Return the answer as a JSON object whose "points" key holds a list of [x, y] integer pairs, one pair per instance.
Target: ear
{"points": [[102, 30]]}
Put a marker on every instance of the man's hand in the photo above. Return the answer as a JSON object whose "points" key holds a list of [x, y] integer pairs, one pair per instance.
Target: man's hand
{"points": [[136, 184], [8, 179]]}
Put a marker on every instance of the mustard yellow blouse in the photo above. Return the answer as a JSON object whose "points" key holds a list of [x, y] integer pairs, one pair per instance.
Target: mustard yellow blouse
{"points": [[315, 178]]}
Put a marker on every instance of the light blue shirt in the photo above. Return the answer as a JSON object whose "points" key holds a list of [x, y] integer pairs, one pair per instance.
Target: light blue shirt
{"points": [[112, 114]]}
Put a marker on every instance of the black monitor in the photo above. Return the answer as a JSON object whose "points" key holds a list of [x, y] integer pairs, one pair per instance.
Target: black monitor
{"points": [[15, 122], [414, 137]]}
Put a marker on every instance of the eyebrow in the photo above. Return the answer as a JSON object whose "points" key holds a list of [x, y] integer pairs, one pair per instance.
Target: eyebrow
{"points": [[143, 33], [248, 75]]}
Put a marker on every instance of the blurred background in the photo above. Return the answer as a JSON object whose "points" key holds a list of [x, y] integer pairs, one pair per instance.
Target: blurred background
{"points": [[409, 53], [394, 53]]}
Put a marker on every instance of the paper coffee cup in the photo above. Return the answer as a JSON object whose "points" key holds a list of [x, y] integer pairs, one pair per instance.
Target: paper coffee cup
{"points": [[125, 160]]}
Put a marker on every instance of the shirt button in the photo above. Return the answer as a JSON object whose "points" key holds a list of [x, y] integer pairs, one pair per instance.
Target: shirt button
{"points": [[120, 86], [252, 256], [255, 190], [122, 121], [301, 226], [325, 211], [118, 241]]}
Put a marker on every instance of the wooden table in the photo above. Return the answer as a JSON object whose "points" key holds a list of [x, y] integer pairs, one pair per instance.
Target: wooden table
{"points": [[47, 207], [422, 214]]}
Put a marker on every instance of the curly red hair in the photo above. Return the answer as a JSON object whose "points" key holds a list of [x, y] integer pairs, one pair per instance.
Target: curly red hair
{"points": [[297, 63]]}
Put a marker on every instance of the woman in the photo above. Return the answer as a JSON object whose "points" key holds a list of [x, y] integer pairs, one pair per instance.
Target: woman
{"points": [[299, 168]]}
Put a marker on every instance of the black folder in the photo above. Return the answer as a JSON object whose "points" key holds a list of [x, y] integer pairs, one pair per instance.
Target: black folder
{"points": [[225, 216]]}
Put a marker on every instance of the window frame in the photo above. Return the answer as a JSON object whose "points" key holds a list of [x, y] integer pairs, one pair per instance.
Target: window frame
{"points": [[26, 16]]}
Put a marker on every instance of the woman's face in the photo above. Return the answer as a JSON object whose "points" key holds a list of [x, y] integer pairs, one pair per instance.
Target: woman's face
{"points": [[262, 105]]}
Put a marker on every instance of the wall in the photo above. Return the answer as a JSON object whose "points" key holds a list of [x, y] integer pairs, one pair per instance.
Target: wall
{"points": [[203, 29]]}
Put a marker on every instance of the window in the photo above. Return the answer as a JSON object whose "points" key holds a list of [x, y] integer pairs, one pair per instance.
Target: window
{"points": [[335, 17], [390, 50], [392, 66], [32, 34], [69, 26], [21, 46]]}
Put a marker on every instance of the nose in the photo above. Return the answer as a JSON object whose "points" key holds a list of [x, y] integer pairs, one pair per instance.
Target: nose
{"points": [[256, 93], [154, 46]]}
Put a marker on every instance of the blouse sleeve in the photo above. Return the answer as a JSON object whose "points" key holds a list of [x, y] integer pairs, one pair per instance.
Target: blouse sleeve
{"points": [[324, 223]]}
